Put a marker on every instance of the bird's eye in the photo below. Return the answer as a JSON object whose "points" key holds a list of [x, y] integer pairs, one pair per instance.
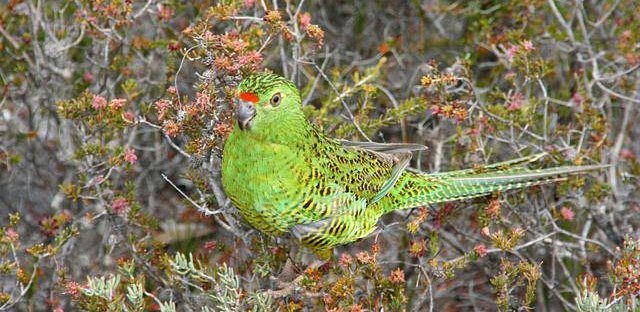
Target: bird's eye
{"points": [[275, 99]]}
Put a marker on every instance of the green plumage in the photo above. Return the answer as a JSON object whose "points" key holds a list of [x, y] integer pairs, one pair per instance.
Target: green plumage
{"points": [[284, 175]]}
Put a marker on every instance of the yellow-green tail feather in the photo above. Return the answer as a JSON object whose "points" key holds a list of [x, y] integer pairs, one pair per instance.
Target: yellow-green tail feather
{"points": [[414, 190]]}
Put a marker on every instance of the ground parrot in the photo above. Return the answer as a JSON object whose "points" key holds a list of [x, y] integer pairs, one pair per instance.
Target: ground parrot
{"points": [[286, 176]]}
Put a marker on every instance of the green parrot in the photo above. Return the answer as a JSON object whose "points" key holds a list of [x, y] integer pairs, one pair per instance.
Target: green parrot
{"points": [[286, 176]]}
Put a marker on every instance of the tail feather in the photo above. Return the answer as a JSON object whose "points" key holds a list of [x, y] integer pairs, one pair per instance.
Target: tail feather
{"points": [[501, 167], [423, 189]]}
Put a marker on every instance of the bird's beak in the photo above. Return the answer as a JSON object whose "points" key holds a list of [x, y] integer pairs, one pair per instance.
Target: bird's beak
{"points": [[245, 111]]}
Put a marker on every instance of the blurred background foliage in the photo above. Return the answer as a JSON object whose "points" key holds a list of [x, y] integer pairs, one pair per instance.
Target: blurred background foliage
{"points": [[114, 116]]}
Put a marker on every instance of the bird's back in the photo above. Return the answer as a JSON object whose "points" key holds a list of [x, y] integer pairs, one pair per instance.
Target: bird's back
{"points": [[316, 187]]}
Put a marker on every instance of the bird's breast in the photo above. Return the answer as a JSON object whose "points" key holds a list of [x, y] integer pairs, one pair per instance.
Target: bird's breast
{"points": [[263, 181]]}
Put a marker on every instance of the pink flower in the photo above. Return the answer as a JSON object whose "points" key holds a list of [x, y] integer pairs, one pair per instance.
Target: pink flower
{"points": [[87, 77], [397, 276], [210, 245], [128, 116], [248, 3], [12, 235], [473, 132], [516, 101], [481, 250], [117, 104], [435, 109], [120, 206], [74, 289], [99, 102], [577, 99], [202, 100], [234, 42], [345, 260], [252, 58], [511, 53], [164, 12], [527, 45], [130, 156], [567, 213], [171, 90], [161, 106], [363, 257], [627, 154], [58, 309], [171, 128], [305, 21]]}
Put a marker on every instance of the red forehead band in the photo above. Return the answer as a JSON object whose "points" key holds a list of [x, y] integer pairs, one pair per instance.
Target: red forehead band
{"points": [[249, 97]]}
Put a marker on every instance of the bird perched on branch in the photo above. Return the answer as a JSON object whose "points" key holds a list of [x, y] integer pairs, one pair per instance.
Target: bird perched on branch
{"points": [[285, 176]]}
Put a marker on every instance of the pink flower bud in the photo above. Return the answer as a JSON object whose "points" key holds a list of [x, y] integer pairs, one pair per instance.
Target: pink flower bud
{"points": [[117, 104], [130, 156], [481, 250], [567, 213], [99, 102], [120, 206]]}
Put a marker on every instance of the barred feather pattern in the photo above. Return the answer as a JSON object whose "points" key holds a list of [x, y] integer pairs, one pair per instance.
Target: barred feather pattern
{"points": [[285, 176], [423, 189]]}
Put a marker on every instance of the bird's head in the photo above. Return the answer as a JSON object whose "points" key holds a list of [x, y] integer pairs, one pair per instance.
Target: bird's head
{"points": [[268, 103]]}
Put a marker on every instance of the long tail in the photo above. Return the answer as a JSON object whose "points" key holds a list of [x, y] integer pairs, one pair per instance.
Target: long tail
{"points": [[412, 189]]}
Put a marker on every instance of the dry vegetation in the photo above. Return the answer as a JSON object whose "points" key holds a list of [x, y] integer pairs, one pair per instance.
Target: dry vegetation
{"points": [[113, 121]]}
